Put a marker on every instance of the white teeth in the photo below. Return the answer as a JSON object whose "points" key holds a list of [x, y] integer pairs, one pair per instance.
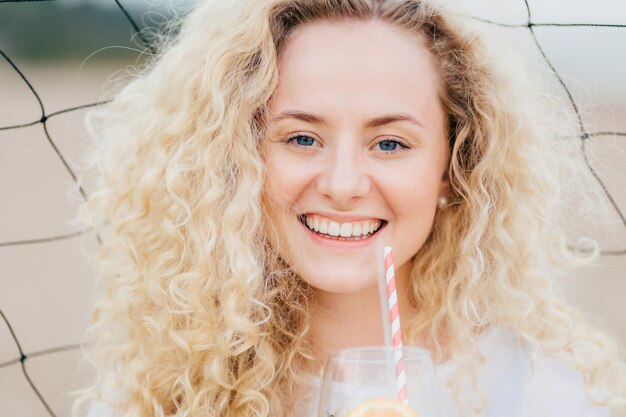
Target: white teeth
{"points": [[333, 229], [346, 230]]}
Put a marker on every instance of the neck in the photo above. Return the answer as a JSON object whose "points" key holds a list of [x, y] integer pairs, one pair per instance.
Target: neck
{"points": [[341, 321]]}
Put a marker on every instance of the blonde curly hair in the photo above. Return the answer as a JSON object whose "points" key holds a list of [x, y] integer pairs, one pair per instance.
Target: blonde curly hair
{"points": [[199, 315]]}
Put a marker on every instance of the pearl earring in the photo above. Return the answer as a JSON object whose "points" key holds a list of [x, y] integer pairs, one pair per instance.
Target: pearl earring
{"points": [[442, 202]]}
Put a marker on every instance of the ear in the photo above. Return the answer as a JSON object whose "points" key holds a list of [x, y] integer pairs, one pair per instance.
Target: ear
{"points": [[444, 185]]}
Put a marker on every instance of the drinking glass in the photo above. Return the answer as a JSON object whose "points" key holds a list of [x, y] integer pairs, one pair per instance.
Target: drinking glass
{"points": [[356, 375]]}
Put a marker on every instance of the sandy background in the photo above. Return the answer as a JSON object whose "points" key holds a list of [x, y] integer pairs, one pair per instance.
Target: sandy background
{"points": [[46, 289]]}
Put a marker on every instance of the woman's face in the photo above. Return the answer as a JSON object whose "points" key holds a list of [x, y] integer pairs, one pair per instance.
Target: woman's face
{"points": [[356, 143]]}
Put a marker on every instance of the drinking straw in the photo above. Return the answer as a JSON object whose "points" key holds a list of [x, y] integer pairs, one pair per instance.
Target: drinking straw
{"points": [[391, 319]]}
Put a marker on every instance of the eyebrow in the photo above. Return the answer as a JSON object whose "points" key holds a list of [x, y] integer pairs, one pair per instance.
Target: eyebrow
{"points": [[375, 122], [392, 118]]}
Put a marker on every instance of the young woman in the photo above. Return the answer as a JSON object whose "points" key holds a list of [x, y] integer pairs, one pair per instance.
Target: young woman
{"points": [[246, 175]]}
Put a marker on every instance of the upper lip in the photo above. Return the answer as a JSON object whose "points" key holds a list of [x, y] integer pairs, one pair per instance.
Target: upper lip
{"points": [[341, 218]]}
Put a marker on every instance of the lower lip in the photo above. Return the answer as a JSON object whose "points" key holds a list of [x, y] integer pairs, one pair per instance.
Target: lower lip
{"points": [[343, 245]]}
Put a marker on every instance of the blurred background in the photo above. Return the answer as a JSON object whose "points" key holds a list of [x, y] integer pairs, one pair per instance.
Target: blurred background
{"points": [[75, 53]]}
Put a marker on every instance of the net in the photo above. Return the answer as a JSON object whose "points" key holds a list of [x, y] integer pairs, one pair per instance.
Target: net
{"points": [[16, 355]]}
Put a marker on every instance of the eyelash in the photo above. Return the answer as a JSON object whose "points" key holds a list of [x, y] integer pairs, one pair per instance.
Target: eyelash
{"points": [[295, 136], [402, 146]]}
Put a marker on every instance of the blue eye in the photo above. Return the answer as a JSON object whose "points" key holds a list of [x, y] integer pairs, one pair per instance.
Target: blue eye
{"points": [[302, 140], [391, 146]]}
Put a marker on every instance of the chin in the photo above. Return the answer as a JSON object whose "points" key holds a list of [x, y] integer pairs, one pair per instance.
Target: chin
{"points": [[340, 283]]}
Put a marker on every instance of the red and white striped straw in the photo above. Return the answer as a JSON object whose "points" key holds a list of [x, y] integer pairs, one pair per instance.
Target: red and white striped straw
{"points": [[394, 319]]}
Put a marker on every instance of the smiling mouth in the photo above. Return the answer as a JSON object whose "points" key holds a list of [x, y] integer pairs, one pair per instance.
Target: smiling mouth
{"points": [[350, 231]]}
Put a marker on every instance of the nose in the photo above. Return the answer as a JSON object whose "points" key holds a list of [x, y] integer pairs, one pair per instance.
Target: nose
{"points": [[344, 180]]}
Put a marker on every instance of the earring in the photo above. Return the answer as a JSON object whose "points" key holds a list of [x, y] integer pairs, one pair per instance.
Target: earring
{"points": [[442, 202]]}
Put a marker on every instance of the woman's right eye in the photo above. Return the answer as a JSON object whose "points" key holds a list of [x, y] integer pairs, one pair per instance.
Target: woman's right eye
{"points": [[301, 140]]}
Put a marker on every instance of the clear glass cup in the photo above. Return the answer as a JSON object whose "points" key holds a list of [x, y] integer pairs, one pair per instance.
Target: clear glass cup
{"points": [[353, 376]]}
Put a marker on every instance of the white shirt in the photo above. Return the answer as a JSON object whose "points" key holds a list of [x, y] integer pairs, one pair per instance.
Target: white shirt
{"points": [[514, 388], [550, 390]]}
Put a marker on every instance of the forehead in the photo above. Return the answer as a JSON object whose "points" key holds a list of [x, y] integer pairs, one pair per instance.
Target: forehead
{"points": [[362, 63]]}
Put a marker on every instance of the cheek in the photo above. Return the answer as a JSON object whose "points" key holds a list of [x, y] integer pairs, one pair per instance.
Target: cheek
{"points": [[411, 194], [414, 204], [282, 186], [414, 190], [285, 182]]}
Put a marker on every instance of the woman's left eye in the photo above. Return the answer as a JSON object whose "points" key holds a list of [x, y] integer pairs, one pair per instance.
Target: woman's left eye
{"points": [[391, 146]]}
